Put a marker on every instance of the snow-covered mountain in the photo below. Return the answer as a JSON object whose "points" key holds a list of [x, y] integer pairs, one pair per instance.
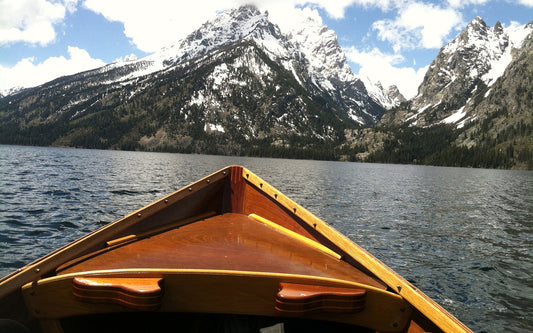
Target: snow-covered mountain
{"points": [[472, 62], [329, 71], [310, 52], [474, 107]]}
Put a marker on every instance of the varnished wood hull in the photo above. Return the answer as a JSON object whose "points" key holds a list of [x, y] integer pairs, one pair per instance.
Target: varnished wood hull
{"points": [[227, 246]]}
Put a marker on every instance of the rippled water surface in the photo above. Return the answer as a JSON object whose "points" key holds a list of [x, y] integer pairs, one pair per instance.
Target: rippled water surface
{"points": [[463, 236]]}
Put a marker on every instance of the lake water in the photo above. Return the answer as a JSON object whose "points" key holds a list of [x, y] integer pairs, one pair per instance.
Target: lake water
{"points": [[463, 236]]}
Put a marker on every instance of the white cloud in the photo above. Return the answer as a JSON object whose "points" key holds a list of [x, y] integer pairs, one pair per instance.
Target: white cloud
{"points": [[26, 73], [528, 3], [31, 21], [464, 3], [382, 67], [419, 25]]}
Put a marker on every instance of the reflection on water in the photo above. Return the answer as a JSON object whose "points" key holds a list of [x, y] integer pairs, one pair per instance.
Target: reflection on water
{"points": [[463, 236]]}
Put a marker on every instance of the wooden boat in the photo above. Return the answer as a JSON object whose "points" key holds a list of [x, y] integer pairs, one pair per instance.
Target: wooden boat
{"points": [[228, 253]]}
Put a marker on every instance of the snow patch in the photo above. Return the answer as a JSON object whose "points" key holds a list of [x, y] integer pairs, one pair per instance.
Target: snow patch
{"points": [[213, 128], [497, 68], [456, 117]]}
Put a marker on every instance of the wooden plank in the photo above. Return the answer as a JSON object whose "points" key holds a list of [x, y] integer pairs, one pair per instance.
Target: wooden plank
{"points": [[418, 299], [234, 191], [131, 238]]}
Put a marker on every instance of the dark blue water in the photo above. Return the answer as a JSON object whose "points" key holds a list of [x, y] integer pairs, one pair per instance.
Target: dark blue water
{"points": [[463, 236]]}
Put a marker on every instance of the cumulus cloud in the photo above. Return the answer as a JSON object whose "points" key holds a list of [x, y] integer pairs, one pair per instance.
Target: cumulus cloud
{"points": [[27, 73], [32, 21], [151, 25], [383, 67], [419, 25]]}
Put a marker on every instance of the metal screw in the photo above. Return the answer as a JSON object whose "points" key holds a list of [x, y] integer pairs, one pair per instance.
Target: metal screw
{"points": [[399, 288], [190, 189], [166, 200], [139, 214], [208, 181], [275, 195], [37, 270]]}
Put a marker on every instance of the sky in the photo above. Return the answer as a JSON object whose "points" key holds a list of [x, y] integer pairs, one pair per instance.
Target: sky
{"points": [[390, 41]]}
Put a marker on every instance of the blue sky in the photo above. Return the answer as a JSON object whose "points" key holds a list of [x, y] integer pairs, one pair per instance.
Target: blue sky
{"points": [[392, 41]]}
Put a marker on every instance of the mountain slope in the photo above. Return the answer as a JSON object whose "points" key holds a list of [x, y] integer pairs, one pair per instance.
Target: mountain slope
{"points": [[330, 73]]}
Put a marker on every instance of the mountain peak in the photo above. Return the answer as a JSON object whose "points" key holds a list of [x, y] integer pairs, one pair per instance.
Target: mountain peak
{"points": [[498, 28], [246, 11], [477, 22]]}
